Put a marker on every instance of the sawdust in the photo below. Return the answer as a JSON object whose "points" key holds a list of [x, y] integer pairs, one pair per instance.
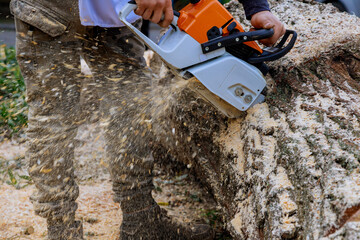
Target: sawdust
{"points": [[102, 217], [234, 139], [10, 150], [185, 200]]}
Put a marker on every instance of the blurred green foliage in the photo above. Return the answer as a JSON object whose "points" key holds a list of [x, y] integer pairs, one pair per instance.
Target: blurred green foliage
{"points": [[13, 107], [211, 217], [224, 1], [11, 172], [18, 181]]}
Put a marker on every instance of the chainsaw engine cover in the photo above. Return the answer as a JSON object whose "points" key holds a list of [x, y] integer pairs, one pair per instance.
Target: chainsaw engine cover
{"points": [[208, 19]]}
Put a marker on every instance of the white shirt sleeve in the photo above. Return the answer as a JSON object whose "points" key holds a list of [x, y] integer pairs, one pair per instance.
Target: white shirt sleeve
{"points": [[103, 13]]}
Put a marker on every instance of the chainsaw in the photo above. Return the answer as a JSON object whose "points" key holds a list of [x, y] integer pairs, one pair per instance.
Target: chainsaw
{"points": [[205, 43]]}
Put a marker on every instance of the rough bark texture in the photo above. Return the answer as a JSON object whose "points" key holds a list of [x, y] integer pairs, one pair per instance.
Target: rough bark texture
{"points": [[288, 169]]}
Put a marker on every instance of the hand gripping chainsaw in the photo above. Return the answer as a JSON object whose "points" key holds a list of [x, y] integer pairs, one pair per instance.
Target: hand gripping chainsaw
{"points": [[206, 42]]}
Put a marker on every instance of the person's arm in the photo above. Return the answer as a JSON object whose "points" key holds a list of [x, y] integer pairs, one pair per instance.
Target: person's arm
{"points": [[258, 11], [153, 10], [254, 6]]}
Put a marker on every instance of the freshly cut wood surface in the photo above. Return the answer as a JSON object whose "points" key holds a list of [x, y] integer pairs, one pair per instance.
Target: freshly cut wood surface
{"points": [[289, 168]]}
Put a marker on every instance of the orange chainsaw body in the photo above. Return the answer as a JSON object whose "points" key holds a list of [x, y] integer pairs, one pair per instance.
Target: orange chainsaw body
{"points": [[197, 19]]}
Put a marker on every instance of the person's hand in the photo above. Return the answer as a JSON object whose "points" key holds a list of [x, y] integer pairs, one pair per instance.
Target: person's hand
{"points": [[157, 11], [266, 20]]}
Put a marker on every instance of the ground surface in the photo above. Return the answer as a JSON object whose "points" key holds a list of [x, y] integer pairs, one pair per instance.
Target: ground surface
{"points": [[184, 199]]}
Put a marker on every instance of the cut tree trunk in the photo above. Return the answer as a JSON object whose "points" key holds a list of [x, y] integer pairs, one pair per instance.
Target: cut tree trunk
{"points": [[289, 168]]}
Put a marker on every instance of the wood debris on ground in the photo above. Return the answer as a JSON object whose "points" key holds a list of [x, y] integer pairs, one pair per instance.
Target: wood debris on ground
{"points": [[101, 216], [184, 199]]}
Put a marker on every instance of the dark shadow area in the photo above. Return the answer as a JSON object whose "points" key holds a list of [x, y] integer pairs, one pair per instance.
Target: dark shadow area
{"points": [[7, 27]]}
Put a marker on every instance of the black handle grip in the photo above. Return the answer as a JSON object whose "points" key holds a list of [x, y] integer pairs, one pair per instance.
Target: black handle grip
{"points": [[236, 38], [278, 51], [261, 34]]}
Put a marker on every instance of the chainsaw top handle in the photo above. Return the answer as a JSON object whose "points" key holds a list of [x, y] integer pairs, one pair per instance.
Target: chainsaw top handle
{"points": [[269, 54], [236, 38]]}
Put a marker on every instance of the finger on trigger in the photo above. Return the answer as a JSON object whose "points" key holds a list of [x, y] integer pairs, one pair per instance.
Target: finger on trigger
{"points": [[168, 17], [139, 11], [156, 17], [147, 14]]}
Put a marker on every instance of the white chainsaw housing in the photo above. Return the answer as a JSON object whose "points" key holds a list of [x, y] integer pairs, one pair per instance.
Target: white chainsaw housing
{"points": [[232, 79], [180, 50]]}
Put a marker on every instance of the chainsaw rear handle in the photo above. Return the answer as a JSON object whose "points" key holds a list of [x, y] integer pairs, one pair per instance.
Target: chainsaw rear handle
{"points": [[127, 9], [236, 38], [274, 53]]}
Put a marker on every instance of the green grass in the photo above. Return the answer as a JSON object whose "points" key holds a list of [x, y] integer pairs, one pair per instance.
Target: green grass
{"points": [[13, 113], [11, 172], [13, 107]]}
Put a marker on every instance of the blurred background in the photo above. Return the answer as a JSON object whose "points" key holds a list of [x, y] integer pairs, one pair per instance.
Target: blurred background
{"points": [[7, 28]]}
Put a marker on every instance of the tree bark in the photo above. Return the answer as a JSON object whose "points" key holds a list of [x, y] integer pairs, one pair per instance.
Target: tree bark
{"points": [[289, 168]]}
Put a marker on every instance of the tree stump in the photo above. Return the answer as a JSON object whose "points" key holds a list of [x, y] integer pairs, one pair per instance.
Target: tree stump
{"points": [[289, 168]]}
